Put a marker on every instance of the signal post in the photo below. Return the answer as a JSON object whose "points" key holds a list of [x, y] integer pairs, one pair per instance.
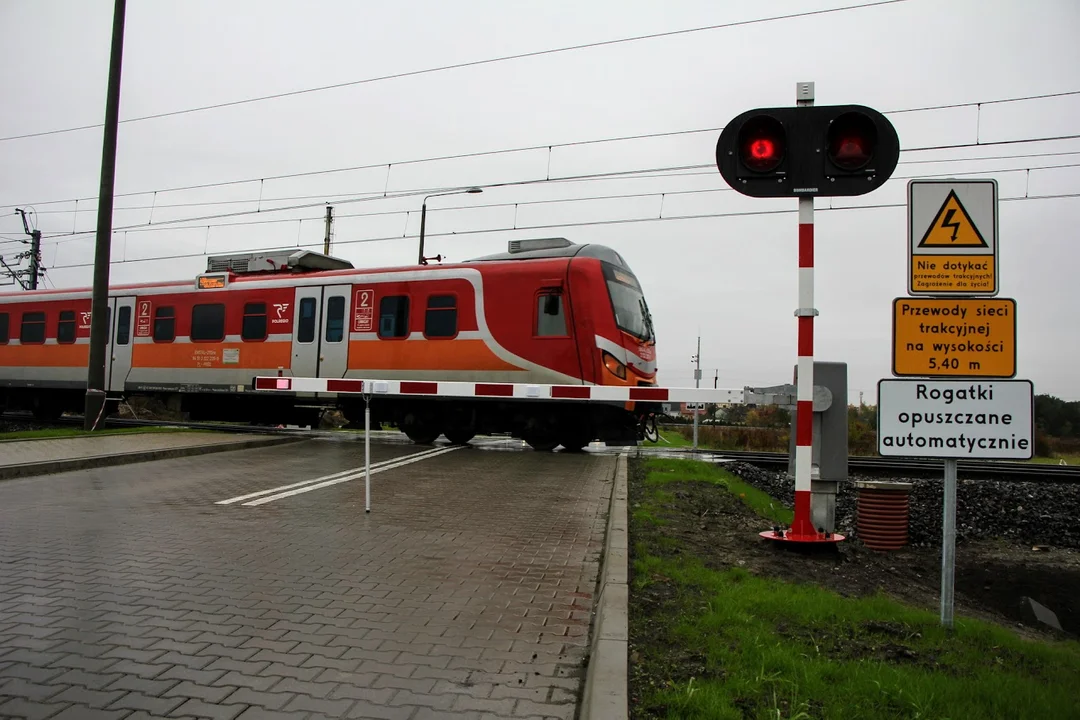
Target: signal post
{"points": [[804, 152]]}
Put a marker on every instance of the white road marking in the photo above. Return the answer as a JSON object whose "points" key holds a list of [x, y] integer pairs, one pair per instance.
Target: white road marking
{"points": [[356, 474], [350, 471]]}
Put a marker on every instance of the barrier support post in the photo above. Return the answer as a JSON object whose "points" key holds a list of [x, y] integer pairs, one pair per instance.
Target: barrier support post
{"points": [[367, 452]]}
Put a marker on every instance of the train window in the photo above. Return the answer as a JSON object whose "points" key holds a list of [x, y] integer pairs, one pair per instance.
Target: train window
{"points": [[123, 326], [208, 323], [65, 329], [3, 328], [254, 327], [305, 331], [550, 317], [441, 318], [164, 324], [335, 318], [33, 328], [394, 316]]}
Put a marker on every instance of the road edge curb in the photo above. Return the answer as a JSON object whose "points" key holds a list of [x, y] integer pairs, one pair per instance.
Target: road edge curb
{"points": [[51, 467], [606, 693]]}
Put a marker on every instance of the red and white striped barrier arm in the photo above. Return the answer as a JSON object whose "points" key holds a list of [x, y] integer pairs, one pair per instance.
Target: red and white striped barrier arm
{"points": [[518, 391]]}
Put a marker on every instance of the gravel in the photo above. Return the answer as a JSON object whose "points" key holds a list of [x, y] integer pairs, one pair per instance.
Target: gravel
{"points": [[1021, 512]]}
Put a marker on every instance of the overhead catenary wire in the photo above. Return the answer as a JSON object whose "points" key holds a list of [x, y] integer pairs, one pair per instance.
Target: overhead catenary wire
{"points": [[467, 64], [367, 197], [335, 197], [551, 226], [553, 145]]}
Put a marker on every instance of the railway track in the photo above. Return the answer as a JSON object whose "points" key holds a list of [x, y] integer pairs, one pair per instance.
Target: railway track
{"points": [[995, 470], [991, 470]]}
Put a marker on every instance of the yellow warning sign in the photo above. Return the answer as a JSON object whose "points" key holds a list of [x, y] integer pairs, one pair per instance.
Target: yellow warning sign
{"points": [[953, 238], [952, 227], [954, 338]]}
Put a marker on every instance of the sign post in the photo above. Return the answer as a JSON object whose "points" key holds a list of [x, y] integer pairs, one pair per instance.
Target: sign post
{"points": [[962, 332]]}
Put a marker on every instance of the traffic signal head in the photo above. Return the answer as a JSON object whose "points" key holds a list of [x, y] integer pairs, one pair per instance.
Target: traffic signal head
{"points": [[808, 151]]}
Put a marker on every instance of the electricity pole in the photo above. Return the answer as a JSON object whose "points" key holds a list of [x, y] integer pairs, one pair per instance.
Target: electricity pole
{"points": [[99, 330], [697, 384], [35, 256], [329, 224], [35, 251]]}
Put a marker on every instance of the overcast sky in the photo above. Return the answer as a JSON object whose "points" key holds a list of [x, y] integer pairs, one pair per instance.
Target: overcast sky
{"points": [[733, 279]]}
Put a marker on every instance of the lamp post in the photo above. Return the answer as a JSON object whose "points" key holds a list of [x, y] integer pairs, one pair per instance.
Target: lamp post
{"points": [[423, 215]]}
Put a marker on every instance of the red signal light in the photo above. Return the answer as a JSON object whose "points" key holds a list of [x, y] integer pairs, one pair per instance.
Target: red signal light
{"points": [[852, 140], [761, 143]]}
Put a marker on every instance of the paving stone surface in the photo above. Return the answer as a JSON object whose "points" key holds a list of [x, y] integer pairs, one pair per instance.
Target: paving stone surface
{"points": [[129, 592], [18, 452]]}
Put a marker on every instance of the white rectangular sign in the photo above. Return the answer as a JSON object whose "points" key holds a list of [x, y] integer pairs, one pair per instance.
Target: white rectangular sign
{"points": [[977, 420]]}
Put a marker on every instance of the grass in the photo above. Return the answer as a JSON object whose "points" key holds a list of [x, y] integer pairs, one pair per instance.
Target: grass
{"points": [[672, 438], [79, 432], [1069, 460], [765, 648], [663, 472]]}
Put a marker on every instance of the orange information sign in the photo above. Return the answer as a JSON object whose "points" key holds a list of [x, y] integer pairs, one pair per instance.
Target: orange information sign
{"points": [[211, 282], [943, 337]]}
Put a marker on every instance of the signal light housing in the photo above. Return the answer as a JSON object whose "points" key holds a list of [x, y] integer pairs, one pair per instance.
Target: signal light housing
{"points": [[808, 151]]}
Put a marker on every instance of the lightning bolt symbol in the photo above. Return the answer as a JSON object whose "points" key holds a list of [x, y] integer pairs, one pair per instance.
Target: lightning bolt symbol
{"points": [[945, 223]]}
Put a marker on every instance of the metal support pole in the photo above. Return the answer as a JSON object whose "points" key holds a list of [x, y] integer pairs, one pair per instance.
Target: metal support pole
{"points": [[423, 222], [35, 258], [948, 544], [697, 383], [329, 224], [367, 453], [99, 330]]}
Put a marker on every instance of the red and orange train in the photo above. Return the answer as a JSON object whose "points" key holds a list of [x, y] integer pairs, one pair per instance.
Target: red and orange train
{"points": [[547, 311]]}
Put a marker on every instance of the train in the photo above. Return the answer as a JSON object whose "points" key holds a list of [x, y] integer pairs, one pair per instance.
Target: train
{"points": [[545, 311]]}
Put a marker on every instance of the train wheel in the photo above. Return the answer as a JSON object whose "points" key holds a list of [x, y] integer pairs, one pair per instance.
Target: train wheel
{"points": [[47, 410], [460, 435], [422, 437], [540, 441], [576, 444], [573, 439], [420, 429]]}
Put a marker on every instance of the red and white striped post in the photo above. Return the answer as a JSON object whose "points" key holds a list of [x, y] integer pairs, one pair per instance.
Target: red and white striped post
{"points": [[804, 419]]}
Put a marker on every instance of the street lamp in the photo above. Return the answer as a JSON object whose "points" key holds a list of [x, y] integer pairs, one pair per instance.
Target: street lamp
{"points": [[423, 215]]}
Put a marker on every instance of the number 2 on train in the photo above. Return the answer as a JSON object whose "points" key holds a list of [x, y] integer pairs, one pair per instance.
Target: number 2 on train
{"points": [[364, 310]]}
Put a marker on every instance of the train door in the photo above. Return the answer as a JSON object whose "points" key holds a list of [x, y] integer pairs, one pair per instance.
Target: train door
{"points": [[122, 310], [306, 321], [320, 331], [334, 353]]}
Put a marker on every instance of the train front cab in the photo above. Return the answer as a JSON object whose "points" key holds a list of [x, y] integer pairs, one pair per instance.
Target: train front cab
{"points": [[617, 340]]}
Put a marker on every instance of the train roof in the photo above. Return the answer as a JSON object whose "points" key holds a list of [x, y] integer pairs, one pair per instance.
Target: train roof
{"points": [[541, 248], [293, 263]]}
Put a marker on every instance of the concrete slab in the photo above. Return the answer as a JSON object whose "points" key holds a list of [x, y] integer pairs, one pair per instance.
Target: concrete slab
{"points": [[21, 458], [606, 693]]}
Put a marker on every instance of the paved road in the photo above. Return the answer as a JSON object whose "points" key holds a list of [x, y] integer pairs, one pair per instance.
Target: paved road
{"points": [[215, 586]]}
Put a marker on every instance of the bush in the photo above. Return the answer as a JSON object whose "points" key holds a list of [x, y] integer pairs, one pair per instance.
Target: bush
{"points": [[740, 438]]}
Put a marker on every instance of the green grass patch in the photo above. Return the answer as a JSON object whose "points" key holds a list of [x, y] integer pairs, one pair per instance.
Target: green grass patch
{"points": [[672, 438], [79, 432], [1069, 460], [725, 643], [661, 472], [769, 649]]}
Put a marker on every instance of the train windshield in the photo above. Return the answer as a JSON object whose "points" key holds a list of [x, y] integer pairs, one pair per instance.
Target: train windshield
{"points": [[631, 311]]}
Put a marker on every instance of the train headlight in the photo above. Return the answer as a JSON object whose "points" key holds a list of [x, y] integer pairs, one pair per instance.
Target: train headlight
{"points": [[612, 364]]}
